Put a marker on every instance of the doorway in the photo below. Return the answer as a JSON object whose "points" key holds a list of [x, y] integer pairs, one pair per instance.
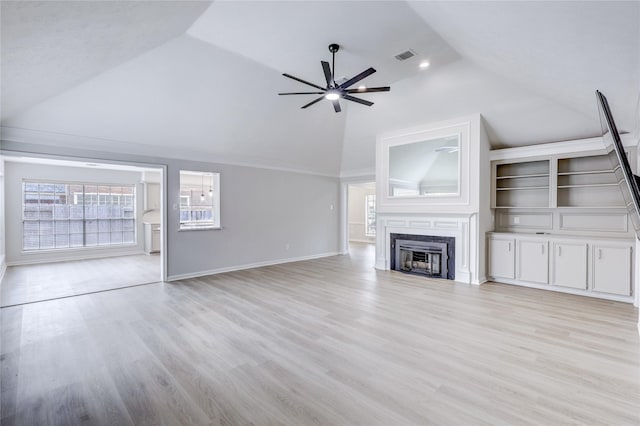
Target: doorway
{"points": [[78, 227], [361, 218]]}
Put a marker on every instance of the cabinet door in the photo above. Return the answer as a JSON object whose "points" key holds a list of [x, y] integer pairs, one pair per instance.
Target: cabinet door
{"points": [[570, 265], [151, 196], [533, 261], [502, 258], [612, 269]]}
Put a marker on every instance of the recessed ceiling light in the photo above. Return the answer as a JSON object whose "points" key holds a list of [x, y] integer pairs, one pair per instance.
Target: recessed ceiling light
{"points": [[424, 64]]}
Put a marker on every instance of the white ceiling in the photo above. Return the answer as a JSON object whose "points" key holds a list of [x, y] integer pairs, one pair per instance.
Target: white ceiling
{"points": [[140, 73], [293, 37], [51, 46]]}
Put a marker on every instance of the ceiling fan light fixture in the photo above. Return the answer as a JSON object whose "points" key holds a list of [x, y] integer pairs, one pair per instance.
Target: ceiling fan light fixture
{"points": [[332, 95]]}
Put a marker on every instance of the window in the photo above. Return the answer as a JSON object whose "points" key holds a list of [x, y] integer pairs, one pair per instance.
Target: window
{"points": [[370, 215], [199, 200], [70, 215]]}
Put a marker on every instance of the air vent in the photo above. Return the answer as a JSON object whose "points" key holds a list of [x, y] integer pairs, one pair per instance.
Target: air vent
{"points": [[405, 55]]}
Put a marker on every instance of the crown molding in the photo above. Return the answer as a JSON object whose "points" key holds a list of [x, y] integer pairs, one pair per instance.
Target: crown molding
{"points": [[555, 148]]}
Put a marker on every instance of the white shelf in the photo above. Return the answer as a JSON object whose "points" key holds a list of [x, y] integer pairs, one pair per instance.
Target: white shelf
{"points": [[590, 185], [522, 176], [522, 187], [588, 172], [521, 207]]}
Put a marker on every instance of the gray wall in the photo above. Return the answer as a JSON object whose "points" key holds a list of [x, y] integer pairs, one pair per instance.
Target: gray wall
{"points": [[268, 216], [2, 219], [14, 175]]}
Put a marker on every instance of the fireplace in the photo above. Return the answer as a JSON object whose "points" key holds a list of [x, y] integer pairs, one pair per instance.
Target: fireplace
{"points": [[423, 258], [431, 256]]}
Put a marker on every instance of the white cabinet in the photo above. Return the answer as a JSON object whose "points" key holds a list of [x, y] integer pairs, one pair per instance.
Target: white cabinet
{"points": [[151, 196], [593, 266], [533, 261], [151, 238], [502, 257], [612, 269], [570, 264]]}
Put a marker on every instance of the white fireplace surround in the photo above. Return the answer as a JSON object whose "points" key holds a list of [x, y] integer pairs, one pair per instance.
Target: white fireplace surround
{"points": [[462, 227]]}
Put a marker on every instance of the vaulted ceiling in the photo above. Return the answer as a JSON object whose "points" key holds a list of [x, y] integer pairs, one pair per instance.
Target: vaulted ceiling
{"points": [[199, 79]]}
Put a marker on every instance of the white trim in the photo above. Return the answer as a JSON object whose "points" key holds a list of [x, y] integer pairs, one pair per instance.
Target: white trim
{"points": [[248, 266], [53, 139], [357, 240], [566, 147], [359, 173], [83, 256]]}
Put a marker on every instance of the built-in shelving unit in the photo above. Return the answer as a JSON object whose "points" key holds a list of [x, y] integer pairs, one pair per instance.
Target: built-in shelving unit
{"points": [[587, 182], [561, 222], [523, 184], [575, 182]]}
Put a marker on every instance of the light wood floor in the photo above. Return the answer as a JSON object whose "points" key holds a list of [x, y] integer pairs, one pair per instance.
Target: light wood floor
{"points": [[328, 341], [44, 281]]}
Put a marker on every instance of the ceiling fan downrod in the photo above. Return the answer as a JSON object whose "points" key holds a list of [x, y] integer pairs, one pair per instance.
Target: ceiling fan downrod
{"points": [[333, 48]]}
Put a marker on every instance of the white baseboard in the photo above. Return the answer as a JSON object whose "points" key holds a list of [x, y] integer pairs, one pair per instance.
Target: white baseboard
{"points": [[248, 266], [357, 240], [84, 255], [479, 281]]}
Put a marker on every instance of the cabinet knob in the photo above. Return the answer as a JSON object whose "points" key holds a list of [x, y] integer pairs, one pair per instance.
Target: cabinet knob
{"points": [[559, 251]]}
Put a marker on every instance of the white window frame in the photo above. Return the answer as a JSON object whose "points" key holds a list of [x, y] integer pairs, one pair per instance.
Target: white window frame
{"points": [[369, 231], [71, 200], [192, 184]]}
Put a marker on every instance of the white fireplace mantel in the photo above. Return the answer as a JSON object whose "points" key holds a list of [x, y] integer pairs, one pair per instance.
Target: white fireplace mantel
{"points": [[462, 227]]}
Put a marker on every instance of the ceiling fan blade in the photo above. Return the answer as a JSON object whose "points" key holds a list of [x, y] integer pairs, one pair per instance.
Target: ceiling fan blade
{"points": [[336, 106], [369, 89], [313, 102], [305, 82], [327, 73], [301, 93], [357, 78], [358, 100]]}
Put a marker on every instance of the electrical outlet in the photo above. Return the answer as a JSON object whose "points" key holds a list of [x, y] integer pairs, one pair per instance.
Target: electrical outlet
{"points": [[516, 220]]}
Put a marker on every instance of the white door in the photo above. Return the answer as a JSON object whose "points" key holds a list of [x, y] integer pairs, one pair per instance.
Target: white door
{"points": [[612, 270], [570, 265], [533, 261], [502, 258]]}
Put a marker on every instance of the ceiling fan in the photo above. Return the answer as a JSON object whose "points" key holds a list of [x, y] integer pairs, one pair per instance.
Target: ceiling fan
{"points": [[334, 91]]}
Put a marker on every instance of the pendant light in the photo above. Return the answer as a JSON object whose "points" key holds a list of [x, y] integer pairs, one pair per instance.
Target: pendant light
{"points": [[202, 188], [211, 187]]}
